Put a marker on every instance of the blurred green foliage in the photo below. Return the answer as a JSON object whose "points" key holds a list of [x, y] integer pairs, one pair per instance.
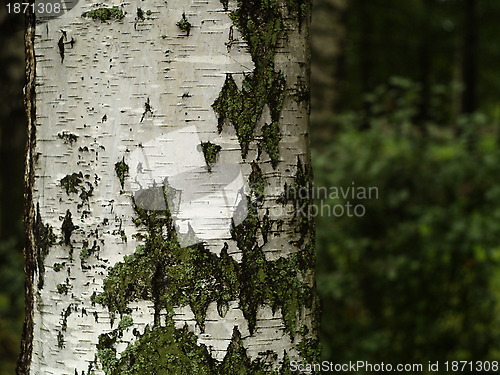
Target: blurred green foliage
{"points": [[421, 40], [11, 303], [417, 278]]}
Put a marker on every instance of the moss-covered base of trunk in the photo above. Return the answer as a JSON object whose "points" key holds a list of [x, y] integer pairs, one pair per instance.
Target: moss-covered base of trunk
{"points": [[163, 272], [166, 350]]}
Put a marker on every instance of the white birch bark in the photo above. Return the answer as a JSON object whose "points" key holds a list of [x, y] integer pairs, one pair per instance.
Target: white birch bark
{"points": [[121, 88]]}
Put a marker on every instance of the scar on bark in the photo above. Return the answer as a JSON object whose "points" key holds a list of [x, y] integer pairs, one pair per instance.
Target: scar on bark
{"points": [[140, 17], [67, 228], [61, 44], [231, 40], [147, 109]]}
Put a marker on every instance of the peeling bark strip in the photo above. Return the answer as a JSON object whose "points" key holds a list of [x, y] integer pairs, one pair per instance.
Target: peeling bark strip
{"points": [[139, 297]]}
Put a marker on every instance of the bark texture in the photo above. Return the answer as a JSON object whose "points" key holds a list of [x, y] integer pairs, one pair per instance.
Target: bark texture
{"points": [[130, 106]]}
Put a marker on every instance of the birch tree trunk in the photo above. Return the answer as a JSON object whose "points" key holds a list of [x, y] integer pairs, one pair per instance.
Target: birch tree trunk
{"points": [[168, 142]]}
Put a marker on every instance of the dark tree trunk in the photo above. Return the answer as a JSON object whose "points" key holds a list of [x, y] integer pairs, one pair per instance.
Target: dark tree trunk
{"points": [[425, 62], [366, 57], [469, 62]]}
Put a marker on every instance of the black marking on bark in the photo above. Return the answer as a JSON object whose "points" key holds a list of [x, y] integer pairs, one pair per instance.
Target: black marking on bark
{"points": [[230, 42], [60, 45], [138, 18], [68, 137], [44, 239], [121, 170], [71, 182], [62, 288], [67, 228], [147, 109], [140, 14], [60, 340]]}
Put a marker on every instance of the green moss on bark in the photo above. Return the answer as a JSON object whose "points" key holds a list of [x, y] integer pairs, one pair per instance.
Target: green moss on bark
{"points": [[168, 275], [121, 170], [271, 138], [71, 182], [58, 266], [260, 23], [60, 340], [175, 352], [309, 350], [105, 14], [167, 350], [184, 24], [257, 184], [210, 152], [299, 9], [301, 93], [236, 360], [74, 182], [62, 288], [298, 193], [277, 283], [87, 251], [245, 234]]}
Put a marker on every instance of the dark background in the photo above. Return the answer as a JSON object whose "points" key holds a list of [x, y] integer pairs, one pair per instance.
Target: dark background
{"points": [[406, 98]]}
